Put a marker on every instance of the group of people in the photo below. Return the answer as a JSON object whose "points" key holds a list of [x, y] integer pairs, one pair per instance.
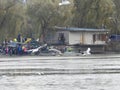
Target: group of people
{"points": [[15, 46], [17, 49]]}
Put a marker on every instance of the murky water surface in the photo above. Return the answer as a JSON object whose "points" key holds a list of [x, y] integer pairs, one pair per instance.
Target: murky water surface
{"points": [[61, 82], [63, 74]]}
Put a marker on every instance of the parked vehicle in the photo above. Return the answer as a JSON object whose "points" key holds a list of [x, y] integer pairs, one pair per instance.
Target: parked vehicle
{"points": [[31, 48], [114, 38]]}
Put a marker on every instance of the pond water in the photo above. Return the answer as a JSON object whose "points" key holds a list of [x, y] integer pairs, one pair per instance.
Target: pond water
{"points": [[61, 82], [100, 73]]}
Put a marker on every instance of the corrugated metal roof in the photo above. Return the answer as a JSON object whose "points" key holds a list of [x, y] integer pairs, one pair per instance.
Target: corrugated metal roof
{"points": [[81, 29]]}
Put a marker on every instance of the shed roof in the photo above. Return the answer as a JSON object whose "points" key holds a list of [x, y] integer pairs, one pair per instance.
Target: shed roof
{"points": [[81, 29]]}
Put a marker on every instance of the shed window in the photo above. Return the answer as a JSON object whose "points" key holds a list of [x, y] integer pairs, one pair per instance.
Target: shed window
{"points": [[101, 37]]}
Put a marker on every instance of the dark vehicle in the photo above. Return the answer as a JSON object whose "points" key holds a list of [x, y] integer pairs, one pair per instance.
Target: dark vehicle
{"points": [[31, 48], [115, 38], [18, 48], [14, 47], [34, 44]]}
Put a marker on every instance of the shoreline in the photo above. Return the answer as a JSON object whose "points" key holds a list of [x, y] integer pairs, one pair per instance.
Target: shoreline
{"points": [[30, 57]]}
